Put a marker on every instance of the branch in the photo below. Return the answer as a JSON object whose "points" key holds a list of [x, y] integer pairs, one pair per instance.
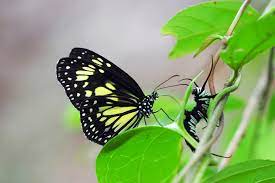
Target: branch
{"points": [[259, 93]]}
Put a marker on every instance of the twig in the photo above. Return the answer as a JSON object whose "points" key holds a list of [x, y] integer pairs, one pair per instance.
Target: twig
{"points": [[218, 110], [228, 34], [259, 93]]}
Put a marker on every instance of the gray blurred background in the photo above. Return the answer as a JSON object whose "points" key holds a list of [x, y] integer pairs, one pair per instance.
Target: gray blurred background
{"points": [[34, 34]]}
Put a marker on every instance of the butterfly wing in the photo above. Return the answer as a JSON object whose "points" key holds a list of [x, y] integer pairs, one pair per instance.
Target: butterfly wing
{"points": [[105, 95], [85, 74], [104, 117]]}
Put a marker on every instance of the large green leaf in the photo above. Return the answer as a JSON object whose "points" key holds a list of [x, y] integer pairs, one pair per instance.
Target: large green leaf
{"points": [[72, 119], [146, 154], [194, 24], [247, 172], [249, 41]]}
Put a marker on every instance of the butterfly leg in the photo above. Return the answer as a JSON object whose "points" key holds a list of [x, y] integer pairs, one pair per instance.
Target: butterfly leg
{"points": [[157, 119], [145, 122], [161, 109]]}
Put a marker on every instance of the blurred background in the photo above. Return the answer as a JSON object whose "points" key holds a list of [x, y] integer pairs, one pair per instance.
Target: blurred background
{"points": [[35, 145]]}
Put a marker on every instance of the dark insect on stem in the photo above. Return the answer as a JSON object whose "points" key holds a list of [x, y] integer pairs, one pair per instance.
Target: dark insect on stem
{"points": [[192, 118]]}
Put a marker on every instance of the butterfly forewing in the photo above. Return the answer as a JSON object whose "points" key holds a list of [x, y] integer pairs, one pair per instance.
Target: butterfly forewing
{"points": [[85, 74], [117, 75]]}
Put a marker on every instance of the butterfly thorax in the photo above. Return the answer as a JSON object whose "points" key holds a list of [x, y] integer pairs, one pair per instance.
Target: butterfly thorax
{"points": [[145, 106]]}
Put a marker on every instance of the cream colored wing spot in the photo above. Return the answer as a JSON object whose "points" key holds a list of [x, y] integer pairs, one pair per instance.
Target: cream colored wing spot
{"points": [[108, 64], [81, 78], [123, 120], [100, 91], [82, 72], [102, 119], [85, 84], [110, 86], [88, 93], [98, 115], [97, 62], [111, 120], [113, 98], [101, 70], [93, 67], [100, 59], [117, 110], [88, 69], [103, 108]]}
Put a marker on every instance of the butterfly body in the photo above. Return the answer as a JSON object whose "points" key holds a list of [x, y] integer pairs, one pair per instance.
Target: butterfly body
{"points": [[109, 100], [145, 106]]}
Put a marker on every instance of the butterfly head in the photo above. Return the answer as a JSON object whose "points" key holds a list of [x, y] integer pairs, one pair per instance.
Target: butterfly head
{"points": [[154, 96]]}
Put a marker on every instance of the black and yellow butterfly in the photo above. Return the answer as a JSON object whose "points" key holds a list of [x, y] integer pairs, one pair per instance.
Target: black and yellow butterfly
{"points": [[108, 99]]}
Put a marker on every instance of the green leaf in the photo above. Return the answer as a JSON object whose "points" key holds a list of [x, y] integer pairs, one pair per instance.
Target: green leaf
{"points": [[249, 41], [234, 103], [271, 108], [72, 119], [207, 42], [146, 154], [247, 172], [194, 24]]}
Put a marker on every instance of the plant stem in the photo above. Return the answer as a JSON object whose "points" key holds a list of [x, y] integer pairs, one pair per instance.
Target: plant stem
{"points": [[201, 169], [258, 96]]}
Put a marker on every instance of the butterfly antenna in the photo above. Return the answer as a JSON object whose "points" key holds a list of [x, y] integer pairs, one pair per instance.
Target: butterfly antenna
{"points": [[189, 79], [171, 86], [165, 81], [204, 84], [220, 156]]}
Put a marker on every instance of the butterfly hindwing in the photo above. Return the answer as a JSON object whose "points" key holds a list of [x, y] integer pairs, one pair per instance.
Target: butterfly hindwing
{"points": [[105, 117]]}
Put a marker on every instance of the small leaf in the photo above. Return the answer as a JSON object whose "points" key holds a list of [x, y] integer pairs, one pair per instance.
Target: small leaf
{"points": [[72, 119], [234, 103], [146, 154], [194, 24], [249, 41], [247, 172], [207, 42]]}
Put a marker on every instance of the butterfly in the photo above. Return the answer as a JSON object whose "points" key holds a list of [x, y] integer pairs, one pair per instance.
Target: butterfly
{"points": [[109, 100], [192, 118]]}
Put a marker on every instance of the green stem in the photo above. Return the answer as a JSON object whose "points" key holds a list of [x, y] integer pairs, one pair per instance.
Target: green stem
{"points": [[201, 169]]}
